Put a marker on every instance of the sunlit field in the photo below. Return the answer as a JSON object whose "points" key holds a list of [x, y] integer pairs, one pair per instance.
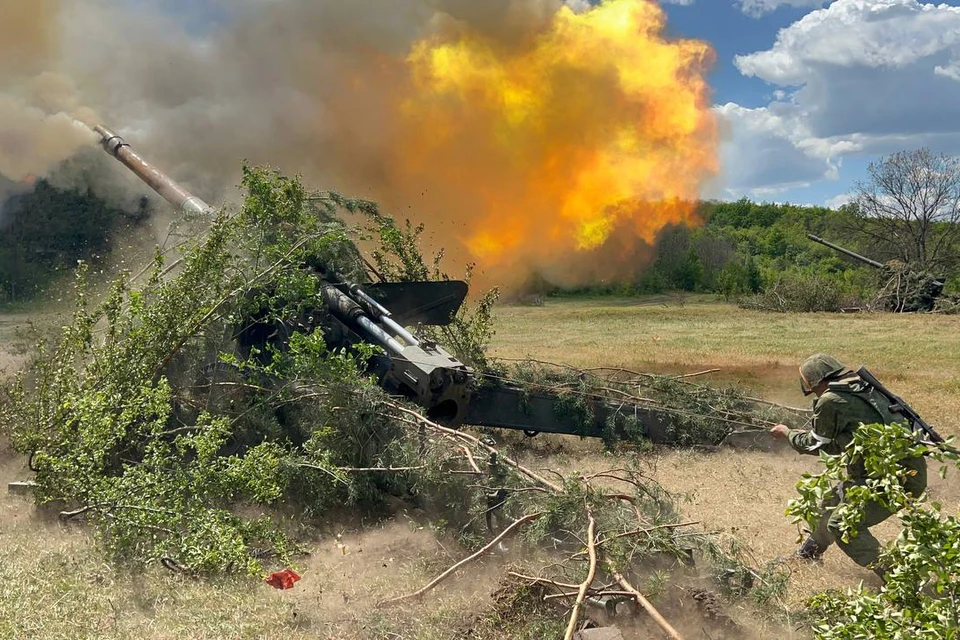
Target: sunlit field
{"points": [[55, 585], [917, 355]]}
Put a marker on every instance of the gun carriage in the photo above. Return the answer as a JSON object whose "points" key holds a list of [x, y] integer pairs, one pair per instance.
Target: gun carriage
{"points": [[904, 289], [422, 371]]}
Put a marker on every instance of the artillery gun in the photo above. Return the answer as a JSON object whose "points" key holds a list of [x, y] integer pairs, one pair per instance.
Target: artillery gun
{"points": [[903, 289], [421, 370]]}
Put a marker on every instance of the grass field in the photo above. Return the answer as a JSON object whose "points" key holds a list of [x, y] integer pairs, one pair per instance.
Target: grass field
{"points": [[744, 493], [54, 585], [917, 355]]}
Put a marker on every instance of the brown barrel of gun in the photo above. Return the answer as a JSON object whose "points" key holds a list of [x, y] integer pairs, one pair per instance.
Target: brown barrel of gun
{"points": [[164, 185]]}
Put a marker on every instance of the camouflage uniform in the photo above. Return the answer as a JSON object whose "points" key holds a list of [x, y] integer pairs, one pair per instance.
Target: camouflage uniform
{"points": [[847, 403]]}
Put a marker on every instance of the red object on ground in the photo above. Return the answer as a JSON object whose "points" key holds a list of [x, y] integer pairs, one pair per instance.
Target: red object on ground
{"points": [[282, 579]]}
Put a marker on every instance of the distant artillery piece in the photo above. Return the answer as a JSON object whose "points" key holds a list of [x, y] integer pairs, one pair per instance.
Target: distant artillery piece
{"points": [[905, 290]]}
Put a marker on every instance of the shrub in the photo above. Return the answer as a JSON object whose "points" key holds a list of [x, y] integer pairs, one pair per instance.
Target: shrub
{"points": [[800, 292], [921, 591]]}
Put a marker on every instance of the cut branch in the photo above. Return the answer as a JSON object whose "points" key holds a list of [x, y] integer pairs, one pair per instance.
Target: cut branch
{"points": [[66, 515], [503, 534], [637, 532], [473, 463], [546, 581], [379, 469], [108, 507], [595, 593], [587, 582], [649, 608], [698, 373], [476, 441]]}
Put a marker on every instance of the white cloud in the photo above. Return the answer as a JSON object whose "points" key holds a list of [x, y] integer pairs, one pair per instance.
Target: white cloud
{"points": [[887, 34], [838, 201], [768, 152], [858, 77], [579, 6], [757, 8], [950, 70]]}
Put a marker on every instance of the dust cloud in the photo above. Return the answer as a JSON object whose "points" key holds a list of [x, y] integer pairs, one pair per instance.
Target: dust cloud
{"points": [[530, 136]]}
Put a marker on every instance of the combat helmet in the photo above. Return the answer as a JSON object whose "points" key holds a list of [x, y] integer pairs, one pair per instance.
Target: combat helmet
{"points": [[816, 369]]}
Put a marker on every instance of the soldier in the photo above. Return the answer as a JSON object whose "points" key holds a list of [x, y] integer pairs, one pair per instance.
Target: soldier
{"points": [[843, 403]]}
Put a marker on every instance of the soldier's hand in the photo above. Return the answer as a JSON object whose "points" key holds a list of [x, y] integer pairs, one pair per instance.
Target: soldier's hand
{"points": [[780, 430]]}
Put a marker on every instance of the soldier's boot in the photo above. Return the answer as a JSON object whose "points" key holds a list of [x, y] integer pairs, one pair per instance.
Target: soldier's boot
{"points": [[810, 550]]}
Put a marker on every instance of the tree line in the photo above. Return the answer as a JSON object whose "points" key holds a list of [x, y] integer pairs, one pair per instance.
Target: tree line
{"points": [[907, 210], [45, 232]]}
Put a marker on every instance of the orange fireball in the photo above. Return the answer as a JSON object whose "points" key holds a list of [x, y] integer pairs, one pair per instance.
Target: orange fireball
{"points": [[592, 126]]}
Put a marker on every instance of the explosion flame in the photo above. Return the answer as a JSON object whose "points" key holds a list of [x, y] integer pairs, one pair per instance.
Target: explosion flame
{"points": [[595, 126]]}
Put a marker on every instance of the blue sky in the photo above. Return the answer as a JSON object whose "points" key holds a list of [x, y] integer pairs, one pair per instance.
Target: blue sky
{"points": [[811, 92], [730, 32]]}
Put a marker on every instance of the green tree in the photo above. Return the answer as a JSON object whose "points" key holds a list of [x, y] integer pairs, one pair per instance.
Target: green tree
{"points": [[45, 232], [910, 204]]}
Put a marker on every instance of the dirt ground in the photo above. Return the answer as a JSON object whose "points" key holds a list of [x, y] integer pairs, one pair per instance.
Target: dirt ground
{"points": [[12, 355], [56, 586]]}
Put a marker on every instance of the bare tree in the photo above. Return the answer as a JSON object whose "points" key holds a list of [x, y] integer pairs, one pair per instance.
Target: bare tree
{"points": [[911, 205]]}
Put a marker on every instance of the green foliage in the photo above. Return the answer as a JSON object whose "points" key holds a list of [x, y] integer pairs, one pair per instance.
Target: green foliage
{"points": [[921, 592], [738, 278], [678, 262], [745, 247], [144, 418]]}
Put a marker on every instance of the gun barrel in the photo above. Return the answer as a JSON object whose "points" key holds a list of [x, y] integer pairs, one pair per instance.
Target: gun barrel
{"points": [[847, 252], [164, 185]]}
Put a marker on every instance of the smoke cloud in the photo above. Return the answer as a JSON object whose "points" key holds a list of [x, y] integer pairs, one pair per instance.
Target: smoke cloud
{"points": [[35, 131], [529, 135]]}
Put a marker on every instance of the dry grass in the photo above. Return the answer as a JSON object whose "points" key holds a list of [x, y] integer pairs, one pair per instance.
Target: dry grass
{"points": [[53, 584], [743, 494], [917, 355]]}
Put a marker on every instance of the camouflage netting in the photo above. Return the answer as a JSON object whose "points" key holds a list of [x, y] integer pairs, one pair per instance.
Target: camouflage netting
{"points": [[692, 414], [907, 290], [949, 304]]}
